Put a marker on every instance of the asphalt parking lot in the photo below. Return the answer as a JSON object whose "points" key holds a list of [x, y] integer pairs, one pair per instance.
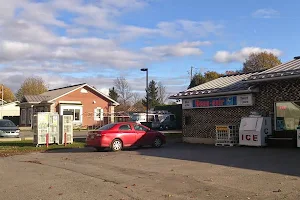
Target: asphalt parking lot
{"points": [[176, 171]]}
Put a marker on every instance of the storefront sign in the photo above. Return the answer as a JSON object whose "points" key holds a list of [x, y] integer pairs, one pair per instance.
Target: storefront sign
{"points": [[228, 101]]}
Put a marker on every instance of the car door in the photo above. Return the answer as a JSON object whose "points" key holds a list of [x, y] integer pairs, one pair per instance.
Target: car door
{"points": [[127, 134], [140, 134]]}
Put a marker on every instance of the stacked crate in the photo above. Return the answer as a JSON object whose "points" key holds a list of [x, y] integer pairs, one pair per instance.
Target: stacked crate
{"points": [[227, 135]]}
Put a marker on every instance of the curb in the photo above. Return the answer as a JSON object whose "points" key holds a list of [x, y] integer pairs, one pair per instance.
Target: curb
{"points": [[10, 139]]}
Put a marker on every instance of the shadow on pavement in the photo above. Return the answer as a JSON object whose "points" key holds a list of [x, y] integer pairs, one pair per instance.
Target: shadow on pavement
{"points": [[273, 160]]}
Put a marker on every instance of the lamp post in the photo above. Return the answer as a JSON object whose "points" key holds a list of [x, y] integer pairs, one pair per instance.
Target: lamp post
{"points": [[146, 70], [2, 94]]}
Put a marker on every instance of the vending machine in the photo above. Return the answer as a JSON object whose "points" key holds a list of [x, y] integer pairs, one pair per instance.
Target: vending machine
{"points": [[53, 128], [45, 128], [254, 130], [66, 129]]}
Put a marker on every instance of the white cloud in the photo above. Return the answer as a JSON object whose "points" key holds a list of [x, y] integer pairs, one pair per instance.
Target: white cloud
{"points": [[266, 13], [241, 55], [53, 38], [178, 50], [187, 27]]}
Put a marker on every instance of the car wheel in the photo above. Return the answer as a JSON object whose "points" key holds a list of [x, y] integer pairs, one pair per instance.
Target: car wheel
{"points": [[116, 145], [157, 142], [99, 148]]}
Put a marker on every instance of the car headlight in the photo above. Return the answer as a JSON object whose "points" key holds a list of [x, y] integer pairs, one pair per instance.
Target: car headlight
{"points": [[17, 131]]}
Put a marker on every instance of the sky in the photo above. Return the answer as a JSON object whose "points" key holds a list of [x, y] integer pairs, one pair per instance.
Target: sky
{"points": [[95, 41]]}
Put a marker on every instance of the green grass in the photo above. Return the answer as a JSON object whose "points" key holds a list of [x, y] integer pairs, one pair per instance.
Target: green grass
{"points": [[27, 146]]}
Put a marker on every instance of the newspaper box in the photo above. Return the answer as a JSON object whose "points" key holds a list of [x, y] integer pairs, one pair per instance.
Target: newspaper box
{"points": [[66, 129], [254, 130]]}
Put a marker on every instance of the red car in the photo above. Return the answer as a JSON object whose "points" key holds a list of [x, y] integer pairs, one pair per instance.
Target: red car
{"points": [[124, 134]]}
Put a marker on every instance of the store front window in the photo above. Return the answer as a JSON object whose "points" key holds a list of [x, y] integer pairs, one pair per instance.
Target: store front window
{"points": [[287, 115]]}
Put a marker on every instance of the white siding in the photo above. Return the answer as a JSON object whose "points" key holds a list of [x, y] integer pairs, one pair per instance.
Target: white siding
{"points": [[10, 109]]}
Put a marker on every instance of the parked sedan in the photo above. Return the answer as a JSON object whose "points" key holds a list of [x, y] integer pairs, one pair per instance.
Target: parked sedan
{"points": [[8, 129], [124, 134]]}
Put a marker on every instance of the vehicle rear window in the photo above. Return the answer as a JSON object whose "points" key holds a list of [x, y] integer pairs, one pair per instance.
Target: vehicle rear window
{"points": [[6, 123], [106, 127]]}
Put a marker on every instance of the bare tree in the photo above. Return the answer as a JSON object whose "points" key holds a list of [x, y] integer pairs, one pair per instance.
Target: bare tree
{"points": [[124, 90], [162, 97], [135, 98]]}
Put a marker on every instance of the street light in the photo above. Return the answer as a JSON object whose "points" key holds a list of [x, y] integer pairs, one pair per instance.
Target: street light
{"points": [[2, 100], [146, 70]]}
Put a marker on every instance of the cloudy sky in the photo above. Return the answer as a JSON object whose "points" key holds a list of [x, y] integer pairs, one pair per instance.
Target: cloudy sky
{"points": [[94, 41]]}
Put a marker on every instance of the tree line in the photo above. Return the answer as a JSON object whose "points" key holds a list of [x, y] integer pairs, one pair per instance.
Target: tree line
{"points": [[255, 62], [30, 86], [123, 94]]}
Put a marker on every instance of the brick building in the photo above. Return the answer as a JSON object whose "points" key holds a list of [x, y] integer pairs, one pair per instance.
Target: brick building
{"points": [[224, 101], [88, 106]]}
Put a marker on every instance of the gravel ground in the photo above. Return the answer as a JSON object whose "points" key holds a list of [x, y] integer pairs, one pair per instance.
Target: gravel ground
{"points": [[176, 171]]}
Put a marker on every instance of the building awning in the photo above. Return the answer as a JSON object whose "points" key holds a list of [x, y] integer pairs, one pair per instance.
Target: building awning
{"points": [[70, 102]]}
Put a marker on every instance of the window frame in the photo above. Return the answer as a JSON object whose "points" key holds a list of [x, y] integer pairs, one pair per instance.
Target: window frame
{"points": [[73, 107]]}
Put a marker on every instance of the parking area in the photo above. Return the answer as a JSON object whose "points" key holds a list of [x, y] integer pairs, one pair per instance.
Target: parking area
{"points": [[176, 171]]}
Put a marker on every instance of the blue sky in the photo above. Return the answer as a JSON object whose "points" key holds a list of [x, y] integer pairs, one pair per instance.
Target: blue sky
{"points": [[95, 41]]}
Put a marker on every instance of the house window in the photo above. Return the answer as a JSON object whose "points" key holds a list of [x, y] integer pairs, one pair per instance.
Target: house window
{"points": [[98, 114], [29, 115], [23, 116], [287, 115], [75, 111]]}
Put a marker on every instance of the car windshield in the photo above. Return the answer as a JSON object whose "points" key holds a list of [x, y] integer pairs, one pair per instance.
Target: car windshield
{"points": [[6, 123], [106, 127]]}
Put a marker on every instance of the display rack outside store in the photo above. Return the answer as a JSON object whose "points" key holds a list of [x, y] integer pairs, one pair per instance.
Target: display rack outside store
{"points": [[227, 135]]}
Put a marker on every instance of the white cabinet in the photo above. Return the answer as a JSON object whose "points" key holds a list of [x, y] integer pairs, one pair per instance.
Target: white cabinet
{"points": [[254, 130]]}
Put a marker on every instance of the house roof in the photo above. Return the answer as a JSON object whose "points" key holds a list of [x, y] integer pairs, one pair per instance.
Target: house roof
{"points": [[225, 84], [53, 94], [35, 98], [286, 70]]}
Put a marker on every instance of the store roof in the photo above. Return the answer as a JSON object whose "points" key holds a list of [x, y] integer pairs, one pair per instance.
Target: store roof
{"points": [[286, 70], [223, 85]]}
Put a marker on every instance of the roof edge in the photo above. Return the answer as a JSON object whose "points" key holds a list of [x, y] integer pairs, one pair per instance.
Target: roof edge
{"points": [[217, 94], [273, 79]]}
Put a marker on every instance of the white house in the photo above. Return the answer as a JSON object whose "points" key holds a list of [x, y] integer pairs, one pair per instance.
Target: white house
{"points": [[10, 110]]}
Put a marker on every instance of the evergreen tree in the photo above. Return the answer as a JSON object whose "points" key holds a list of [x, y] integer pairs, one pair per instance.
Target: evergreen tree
{"points": [[153, 95], [113, 94]]}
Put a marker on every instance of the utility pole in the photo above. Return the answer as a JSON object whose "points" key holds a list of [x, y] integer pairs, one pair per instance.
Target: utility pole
{"points": [[2, 94], [192, 73]]}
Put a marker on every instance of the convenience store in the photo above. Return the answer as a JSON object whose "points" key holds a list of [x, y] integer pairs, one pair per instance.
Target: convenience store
{"points": [[224, 101]]}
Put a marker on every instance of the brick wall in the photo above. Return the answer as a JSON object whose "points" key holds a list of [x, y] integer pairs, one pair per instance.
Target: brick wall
{"points": [[203, 120], [87, 100]]}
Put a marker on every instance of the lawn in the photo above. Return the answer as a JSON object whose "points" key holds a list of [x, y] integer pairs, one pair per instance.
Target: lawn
{"points": [[27, 146]]}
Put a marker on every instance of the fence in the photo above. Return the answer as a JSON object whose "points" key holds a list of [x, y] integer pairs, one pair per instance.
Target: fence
{"points": [[93, 120]]}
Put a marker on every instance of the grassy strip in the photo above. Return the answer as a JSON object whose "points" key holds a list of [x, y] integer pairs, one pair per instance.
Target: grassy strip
{"points": [[27, 146]]}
